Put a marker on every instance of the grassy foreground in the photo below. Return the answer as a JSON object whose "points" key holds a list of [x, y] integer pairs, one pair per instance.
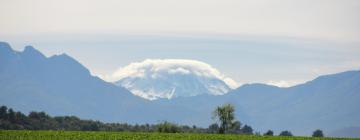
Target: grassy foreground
{"points": [[76, 135]]}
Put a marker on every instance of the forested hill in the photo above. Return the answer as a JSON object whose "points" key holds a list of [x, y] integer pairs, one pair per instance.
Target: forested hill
{"points": [[16, 120]]}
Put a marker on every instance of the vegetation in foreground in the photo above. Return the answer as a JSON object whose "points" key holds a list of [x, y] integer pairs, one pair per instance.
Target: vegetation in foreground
{"points": [[11, 120], [90, 135], [224, 115]]}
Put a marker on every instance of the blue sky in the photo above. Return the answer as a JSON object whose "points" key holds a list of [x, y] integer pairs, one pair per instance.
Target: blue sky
{"points": [[250, 41]]}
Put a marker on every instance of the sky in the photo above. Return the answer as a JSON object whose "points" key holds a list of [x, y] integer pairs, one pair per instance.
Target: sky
{"points": [[281, 42]]}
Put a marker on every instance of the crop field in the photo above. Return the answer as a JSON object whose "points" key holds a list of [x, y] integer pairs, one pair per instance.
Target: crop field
{"points": [[75, 135]]}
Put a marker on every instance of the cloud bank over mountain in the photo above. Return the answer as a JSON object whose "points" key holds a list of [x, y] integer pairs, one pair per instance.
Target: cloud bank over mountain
{"points": [[167, 78], [284, 83]]}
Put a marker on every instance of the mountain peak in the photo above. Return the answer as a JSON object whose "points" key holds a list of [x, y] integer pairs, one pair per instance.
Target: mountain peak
{"points": [[333, 79], [29, 48], [5, 47], [6, 53], [66, 60], [4, 44], [257, 85], [63, 57], [30, 51]]}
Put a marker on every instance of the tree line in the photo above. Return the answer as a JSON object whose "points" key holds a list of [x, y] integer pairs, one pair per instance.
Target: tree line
{"points": [[226, 123], [11, 120], [224, 116]]}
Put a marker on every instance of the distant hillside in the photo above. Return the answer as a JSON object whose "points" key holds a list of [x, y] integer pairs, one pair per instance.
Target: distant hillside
{"points": [[349, 132], [328, 102], [59, 85]]}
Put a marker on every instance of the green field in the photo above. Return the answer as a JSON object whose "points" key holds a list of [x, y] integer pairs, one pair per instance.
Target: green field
{"points": [[75, 135]]}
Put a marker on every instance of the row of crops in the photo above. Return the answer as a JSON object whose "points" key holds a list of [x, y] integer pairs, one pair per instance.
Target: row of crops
{"points": [[87, 135]]}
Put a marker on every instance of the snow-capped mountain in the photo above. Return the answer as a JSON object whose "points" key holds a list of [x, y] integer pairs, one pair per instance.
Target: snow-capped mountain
{"points": [[59, 85], [169, 78]]}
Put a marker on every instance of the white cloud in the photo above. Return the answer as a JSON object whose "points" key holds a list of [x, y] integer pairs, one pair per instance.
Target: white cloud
{"points": [[168, 78], [170, 66], [283, 83], [179, 70]]}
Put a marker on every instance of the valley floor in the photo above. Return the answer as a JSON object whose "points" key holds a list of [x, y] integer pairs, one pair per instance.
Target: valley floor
{"points": [[68, 135]]}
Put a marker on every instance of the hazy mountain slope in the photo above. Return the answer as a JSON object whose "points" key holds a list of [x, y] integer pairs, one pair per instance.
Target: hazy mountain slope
{"points": [[329, 102], [349, 132], [59, 85]]}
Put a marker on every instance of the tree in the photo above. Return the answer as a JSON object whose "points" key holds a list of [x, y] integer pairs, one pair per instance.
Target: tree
{"points": [[285, 133], [269, 133], [3, 112], [194, 127], [213, 128], [11, 116], [167, 127], [236, 125], [318, 133], [20, 117], [247, 129], [34, 115], [225, 115]]}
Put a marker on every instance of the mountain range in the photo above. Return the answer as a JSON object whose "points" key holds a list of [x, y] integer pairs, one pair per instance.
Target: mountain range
{"points": [[60, 85]]}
